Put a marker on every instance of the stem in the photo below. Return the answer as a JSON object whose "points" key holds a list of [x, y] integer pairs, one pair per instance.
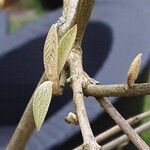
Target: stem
{"points": [[123, 124], [122, 139], [76, 74], [117, 90]]}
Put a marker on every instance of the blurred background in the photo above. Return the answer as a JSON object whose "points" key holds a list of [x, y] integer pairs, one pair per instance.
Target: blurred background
{"points": [[117, 32], [24, 11]]}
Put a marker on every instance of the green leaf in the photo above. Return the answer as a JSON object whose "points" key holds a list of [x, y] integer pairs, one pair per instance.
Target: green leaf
{"points": [[65, 46], [51, 54], [41, 101]]}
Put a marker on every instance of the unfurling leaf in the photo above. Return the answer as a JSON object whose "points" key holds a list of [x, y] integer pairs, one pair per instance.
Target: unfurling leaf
{"points": [[134, 70], [51, 54], [41, 101], [65, 47]]}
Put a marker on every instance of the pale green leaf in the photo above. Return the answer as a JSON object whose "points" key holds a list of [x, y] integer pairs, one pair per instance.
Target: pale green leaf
{"points": [[65, 47], [51, 54], [41, 101]]}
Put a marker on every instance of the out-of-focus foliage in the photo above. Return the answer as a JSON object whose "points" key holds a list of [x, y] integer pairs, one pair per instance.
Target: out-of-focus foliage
{"points": [[30, 10], [32, 4], [27, 10]]}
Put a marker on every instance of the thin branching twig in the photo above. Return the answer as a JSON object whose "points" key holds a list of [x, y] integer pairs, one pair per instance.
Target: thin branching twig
{"points": [[123, 124], [113, 144], [116, 129], [132, 121]]}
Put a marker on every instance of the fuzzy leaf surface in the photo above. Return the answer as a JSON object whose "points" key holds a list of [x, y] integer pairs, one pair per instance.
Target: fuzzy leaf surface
{"points": [[65, 47], [41, 101], [51, 54]]}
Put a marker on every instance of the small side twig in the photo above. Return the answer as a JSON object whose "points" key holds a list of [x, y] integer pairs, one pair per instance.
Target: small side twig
{"points": [[76, 74], [113, 144], [116, 129], [107, 134], [118, 90], [123, 124]]}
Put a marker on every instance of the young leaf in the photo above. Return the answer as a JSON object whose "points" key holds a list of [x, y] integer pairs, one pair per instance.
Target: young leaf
{"points": [[51, 54], [134, 70], [41, 102], [65, 47]]}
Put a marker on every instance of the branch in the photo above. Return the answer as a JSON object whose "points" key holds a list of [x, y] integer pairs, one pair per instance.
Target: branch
{"points": [[76, 75], [122, 139], [116, 129], [123, 124], [117, 90]]}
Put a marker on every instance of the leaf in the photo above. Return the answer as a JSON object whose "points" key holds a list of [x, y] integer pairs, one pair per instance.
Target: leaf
{"points": [[41, 101], [51, 54], [134, 70], [65, 47]]}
